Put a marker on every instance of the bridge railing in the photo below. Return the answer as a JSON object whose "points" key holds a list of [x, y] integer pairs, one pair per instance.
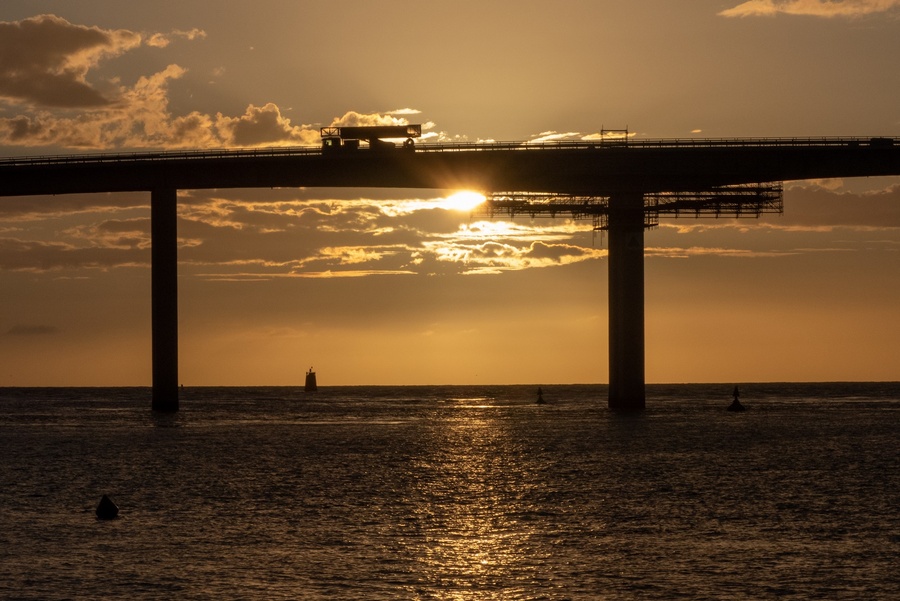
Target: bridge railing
{"points": [[663, 143], [288, 151], [118, 157]]}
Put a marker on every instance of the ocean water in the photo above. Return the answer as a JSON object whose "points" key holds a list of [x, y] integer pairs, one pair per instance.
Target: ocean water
{"points": [[452, 492]]}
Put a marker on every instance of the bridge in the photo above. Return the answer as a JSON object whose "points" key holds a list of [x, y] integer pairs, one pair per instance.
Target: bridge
{"points": [[624, 185]]}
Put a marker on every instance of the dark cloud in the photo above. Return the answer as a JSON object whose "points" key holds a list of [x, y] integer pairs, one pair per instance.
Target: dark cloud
{"points": [[115, 233], [44, 60], [31, 255], [23, 128], [32, 330], [556, 252], [20, 208], [45, 63]]}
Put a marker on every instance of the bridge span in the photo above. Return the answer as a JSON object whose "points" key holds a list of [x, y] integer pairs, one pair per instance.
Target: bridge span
{"points": [[624, 185]]}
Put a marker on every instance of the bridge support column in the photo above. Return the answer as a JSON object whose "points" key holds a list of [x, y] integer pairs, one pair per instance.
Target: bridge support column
{"points": [[164, 292], [626, 302]]}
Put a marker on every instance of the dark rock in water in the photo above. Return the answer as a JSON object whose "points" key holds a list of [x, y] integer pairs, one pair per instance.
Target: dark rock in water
{"points": [[107, 510]]}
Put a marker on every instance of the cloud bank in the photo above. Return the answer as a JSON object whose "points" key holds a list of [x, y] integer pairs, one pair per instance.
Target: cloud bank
{"points": [[50, 96], [271, 234]]}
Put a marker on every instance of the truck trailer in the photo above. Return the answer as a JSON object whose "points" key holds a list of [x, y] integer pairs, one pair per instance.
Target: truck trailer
{"points": [[348, 138]]}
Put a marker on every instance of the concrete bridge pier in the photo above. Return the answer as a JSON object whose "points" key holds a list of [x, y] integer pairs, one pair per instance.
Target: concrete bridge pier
{"points": [[164, 292], [626, 302]]}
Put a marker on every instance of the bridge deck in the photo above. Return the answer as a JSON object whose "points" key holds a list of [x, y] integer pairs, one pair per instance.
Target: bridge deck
{"points": [[236, 153], [600, 168]]}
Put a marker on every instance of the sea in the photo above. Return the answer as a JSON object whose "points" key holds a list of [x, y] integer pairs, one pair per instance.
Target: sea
{"points": [[452, 492]]}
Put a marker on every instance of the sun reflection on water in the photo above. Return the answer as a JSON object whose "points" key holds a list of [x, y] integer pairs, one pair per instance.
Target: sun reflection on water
{"points": [[474, 540]]}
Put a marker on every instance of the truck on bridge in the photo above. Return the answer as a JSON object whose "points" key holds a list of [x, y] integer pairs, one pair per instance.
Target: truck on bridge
{"points": [[348, 138]]}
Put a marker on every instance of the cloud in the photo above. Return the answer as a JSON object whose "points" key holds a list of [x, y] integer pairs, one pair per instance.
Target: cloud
{"points": [[288, 233], [561, 253], [39, 256], [358, 237], [143, 120], [44, 60], [263, 126], [140, 118], [497, 256], [27, 208], [269, 234], [603, 136], [816, 8], [703, 251], [354, 119], [45, 64], [552, 136], [406, 111], [161, 40], [125, 234], [352, 273], [241, 235]]}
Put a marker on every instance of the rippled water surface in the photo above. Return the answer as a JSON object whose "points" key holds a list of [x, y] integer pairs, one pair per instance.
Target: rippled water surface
{"points": [[452, 493]]}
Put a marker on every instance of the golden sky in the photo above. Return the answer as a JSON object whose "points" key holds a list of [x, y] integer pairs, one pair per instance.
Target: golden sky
{"points": [[395, 286]]}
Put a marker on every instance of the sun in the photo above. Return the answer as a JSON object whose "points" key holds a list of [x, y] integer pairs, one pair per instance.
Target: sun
{"points": [[464, 200]]}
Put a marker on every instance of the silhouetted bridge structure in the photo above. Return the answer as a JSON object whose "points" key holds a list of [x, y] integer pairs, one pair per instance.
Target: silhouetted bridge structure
{"points": [[624, 185]]}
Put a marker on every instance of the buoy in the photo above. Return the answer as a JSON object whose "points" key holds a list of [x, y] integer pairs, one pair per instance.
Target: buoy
{"points": [[736, 404], [310, 385], [107, 510]]}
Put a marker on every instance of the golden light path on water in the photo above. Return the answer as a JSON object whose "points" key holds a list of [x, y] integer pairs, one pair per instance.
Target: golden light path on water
{"points": [[471, 500]]}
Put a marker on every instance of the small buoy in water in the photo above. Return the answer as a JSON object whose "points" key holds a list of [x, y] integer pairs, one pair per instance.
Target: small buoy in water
{"points": [[736, 404], [107, 510], [310, 385]]}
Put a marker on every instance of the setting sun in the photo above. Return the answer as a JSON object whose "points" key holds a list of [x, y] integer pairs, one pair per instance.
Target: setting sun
{"points": [[465, 200]]}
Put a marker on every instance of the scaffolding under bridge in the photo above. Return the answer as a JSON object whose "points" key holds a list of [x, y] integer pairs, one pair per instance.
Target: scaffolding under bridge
{"points": [[738, 201]]}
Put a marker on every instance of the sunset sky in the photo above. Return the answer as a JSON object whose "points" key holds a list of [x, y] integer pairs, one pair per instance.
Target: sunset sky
{"points": [[396, 286]]}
